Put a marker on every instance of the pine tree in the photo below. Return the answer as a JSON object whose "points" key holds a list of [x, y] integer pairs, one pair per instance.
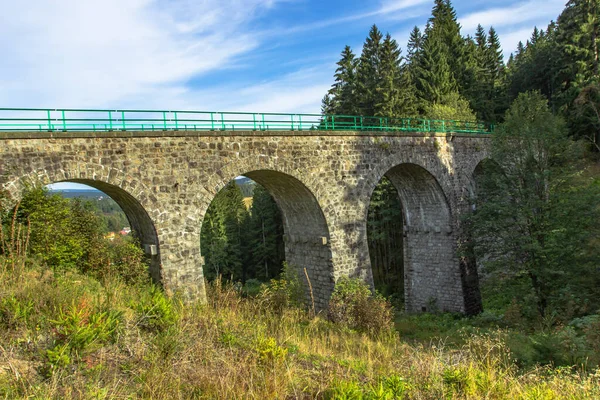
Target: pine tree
{"points": [[385, 240], [444, 27], [368, 72], [267, 253], [221, 237], [481, 39], [433, 75], [343, 91], [414, 46], [395, 96]]}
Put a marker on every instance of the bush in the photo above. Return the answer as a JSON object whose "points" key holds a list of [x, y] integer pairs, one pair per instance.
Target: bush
{"points": [[353, 305], [156, 311], [122, 257], [285, 291]]}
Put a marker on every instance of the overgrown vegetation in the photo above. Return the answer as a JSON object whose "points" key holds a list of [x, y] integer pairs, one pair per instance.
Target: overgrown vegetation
{"points": [[73, 332], [242, 243]]}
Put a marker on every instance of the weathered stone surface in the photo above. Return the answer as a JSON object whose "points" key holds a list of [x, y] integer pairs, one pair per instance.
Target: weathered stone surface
{"points": [[322, 181]]}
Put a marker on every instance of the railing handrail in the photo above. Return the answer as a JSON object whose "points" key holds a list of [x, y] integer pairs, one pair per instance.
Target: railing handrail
{"points": [[62, 119]]}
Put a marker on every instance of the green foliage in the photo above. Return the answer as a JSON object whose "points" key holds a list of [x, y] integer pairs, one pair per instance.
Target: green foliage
{"points": [[284, 292], [385, 230], [269, 351], [81, 328], [242, 244], [67, 234], [352, 304], [387, 388], [156, 312], [537, 217], [15, 311], [451, 107], [122, 257]]}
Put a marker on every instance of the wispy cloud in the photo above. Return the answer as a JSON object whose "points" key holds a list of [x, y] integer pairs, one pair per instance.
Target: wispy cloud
{"points": [[533, 10], [396, 10], [84, 53], [206, 54]]}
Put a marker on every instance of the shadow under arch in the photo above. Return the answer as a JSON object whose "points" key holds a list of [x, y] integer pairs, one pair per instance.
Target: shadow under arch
{"points": [[431, 275], [138, 218], [484, 167], [306, 234]]}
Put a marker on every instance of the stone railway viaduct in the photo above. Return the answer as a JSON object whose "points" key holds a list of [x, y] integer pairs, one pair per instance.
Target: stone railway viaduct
{"points": [[321, 181]]}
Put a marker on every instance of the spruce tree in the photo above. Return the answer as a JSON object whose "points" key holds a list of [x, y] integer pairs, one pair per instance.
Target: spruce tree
{"points": [[414, 46], [267, 251], [433, 75], [392, 99], [368, 72], [343, 91], [444, 28]]}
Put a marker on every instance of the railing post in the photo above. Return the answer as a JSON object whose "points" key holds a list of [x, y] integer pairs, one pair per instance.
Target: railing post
{"points": [[164, 120], [254, 121], [333, 122], [212, 121], [64, 123], [49, 120], [300, 122], [222, 122], [176, 122], [444, 125], [123, 120], [110, 120], [264, 127]]}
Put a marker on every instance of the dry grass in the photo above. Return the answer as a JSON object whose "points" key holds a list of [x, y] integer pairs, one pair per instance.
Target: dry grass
{"points": [[236, 348]]}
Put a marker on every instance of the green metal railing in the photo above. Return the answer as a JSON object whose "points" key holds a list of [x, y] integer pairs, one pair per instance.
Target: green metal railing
{"points": [[68, 120]]}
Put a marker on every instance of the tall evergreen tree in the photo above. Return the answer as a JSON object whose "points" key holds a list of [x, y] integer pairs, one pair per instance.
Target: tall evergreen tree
{"points": [[395, 95], [343, 90], [414, 46], [221, 236], [267, 235], [434, 78], [444, 28], [368, 72]]}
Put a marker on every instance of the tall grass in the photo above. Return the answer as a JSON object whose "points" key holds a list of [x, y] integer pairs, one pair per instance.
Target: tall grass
{"points": [[69, 335]]}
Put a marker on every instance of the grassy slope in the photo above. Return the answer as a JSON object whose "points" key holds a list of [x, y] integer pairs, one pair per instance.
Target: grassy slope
{"points": [[70, 336]]}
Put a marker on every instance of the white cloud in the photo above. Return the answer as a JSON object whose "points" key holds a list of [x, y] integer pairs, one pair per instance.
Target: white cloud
{"points": [[87, 53], [533, 10], [297, 92]]}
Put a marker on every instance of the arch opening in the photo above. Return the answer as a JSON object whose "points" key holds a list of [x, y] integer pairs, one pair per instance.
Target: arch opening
{"points": [[139, 222], [431, 277], [303, 232]]}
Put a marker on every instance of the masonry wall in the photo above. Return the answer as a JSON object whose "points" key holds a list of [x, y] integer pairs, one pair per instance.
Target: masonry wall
{"points": [[321, 181]]}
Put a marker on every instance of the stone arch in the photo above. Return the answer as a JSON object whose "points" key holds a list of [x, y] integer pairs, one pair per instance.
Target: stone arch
{"points": [[475, 175], [129, 195], [306, 232], [431, 274]]}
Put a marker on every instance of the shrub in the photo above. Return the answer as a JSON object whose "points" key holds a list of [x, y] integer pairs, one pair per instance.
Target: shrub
{"points": [[285, 291], [252, 288], [353, 305], [156, 312], [122, 257]]}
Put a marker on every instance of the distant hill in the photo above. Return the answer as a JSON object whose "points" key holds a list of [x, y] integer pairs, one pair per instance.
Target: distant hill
{"points": [[90, 193]]}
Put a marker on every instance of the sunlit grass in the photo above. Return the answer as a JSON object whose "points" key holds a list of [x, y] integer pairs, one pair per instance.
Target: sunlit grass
{"points": [[236, 347]]}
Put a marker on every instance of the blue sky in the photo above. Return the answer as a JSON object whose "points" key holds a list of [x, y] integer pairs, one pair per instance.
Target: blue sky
{"points": [[226, 55]]}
